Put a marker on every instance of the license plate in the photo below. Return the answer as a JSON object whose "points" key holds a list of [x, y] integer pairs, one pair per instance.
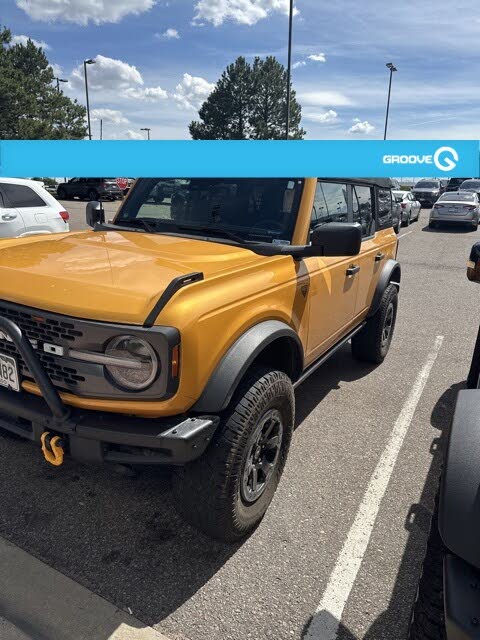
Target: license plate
{"points": [[8, 373]]}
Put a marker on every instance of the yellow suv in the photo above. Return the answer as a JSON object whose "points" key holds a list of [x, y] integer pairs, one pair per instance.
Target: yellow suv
{"points": [[177, 333]]}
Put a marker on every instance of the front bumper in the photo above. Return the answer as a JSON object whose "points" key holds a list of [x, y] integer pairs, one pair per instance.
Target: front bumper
{"points": [[94, 436], [462, 599]]}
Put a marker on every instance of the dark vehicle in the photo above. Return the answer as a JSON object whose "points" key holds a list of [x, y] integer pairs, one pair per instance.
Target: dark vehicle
{"points": [[448, 601], [454, 183], [427, 192], [472, 184], [90, 189]]}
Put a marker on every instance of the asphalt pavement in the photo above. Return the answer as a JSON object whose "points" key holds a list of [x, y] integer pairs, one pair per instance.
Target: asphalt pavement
{"points": [[340, 549]]}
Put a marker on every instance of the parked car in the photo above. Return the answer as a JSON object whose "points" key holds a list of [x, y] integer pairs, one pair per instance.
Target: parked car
{"points": [[460, 207], [454, 184], [90, 189], [396, 215], [472, 184], [410, 208], [427, 191], [26, 209], [448, 597], [183, 335]]}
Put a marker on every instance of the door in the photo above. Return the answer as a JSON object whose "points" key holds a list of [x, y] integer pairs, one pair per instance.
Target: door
{"points": [[333, 281], [11, 221], [29, 207], [378, 239]]}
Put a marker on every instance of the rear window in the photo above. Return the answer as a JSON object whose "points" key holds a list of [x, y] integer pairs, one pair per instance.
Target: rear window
{"points": [[19, 196], [458, 197], [471, 184]]}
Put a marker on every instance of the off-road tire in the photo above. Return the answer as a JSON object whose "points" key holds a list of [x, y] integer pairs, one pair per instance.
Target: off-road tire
{"points": [[369, 344], [208, 491], [428, 622]]}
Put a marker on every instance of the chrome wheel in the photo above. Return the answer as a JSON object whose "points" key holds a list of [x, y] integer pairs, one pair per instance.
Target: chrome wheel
{"points": [[263, 451]]}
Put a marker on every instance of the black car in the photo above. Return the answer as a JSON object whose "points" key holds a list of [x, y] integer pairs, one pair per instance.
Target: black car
{"points": [[454, 183], [90, 189], [428, 191]]}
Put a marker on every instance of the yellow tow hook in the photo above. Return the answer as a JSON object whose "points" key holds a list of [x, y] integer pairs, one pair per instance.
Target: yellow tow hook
{"points": [[52, 449]]}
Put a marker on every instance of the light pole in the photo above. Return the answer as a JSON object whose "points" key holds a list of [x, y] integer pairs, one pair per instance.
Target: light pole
{"points": [[392, 68], [289, 67], [85, 63], [58, 82], [147, 129]]}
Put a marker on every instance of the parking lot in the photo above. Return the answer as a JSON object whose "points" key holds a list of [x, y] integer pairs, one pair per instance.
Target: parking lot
{"points": [[368, 439]]}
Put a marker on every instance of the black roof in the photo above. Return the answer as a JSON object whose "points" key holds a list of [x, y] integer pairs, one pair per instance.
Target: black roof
{"points": [[383, 183]]}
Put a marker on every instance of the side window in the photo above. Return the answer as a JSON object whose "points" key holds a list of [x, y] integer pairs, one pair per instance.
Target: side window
{"points": [[20, 196], [384, 217], [330, 204], [363, 209]]}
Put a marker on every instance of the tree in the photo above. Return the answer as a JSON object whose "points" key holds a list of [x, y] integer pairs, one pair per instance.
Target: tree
{"points": [[30, 106], [249, 102]]}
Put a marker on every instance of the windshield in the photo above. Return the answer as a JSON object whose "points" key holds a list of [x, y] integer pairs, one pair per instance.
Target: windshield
{"points": [[458, 197], [399, 195], [471, 184], [241, 209], [425, 184]]}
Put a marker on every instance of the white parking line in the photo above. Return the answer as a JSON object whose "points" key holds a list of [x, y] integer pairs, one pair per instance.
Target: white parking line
{"points": [[325, 623], [406, 234]]}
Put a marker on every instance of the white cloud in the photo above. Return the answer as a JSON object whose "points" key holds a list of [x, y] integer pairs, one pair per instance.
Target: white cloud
{"points": [[57, 70], [246, 12], [133, 135], [109, 115], [325, 117], [318, 57], [324, 99], [169, 34], [300, 63], [108, 73], [83, 11], [24, 39], [360, 127], [149, 94], [192, 91]]}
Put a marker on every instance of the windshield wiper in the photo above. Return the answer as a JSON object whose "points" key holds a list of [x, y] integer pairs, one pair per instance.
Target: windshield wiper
{"points": [[214, 230], [141, 222]]}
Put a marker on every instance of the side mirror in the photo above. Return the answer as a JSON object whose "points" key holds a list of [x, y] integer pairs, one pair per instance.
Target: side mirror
{"points": [[473, 264], [95, 213], [336, 239]]}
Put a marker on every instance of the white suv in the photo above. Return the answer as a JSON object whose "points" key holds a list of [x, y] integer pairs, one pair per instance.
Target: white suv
{"points": [[27, 209]]}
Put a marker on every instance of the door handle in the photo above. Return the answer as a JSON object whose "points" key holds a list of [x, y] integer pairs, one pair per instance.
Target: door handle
{"points": [[9, 216], [351, 271], [379, 256]]}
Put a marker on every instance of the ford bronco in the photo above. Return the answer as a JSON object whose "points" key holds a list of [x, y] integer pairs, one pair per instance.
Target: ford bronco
{"points": [[177, 333]]}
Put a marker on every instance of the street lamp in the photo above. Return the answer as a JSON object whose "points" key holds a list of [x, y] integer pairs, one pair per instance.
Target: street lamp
{"points": [[289, 66], [392, 68], [58, 82], [147, 129], [85, 63]]}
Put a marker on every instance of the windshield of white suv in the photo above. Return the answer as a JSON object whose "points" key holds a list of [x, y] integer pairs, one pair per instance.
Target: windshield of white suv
{"points": [[239, 209]]}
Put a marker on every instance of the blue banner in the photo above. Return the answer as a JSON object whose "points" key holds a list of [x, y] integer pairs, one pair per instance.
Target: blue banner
{"points": [[189, 158]]}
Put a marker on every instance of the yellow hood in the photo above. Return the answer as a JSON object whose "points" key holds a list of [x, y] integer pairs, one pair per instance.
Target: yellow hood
{"points": [[110, 276]]}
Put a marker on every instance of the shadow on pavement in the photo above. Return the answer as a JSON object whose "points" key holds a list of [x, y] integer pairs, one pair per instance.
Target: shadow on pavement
{"points": [[120, 536], [450, 228]]}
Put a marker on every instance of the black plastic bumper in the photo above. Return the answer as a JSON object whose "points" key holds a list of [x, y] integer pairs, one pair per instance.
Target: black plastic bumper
{"points": [[462, 599], [94, 436]]}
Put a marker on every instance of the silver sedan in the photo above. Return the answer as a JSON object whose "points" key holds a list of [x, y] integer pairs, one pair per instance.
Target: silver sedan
{"points": [[410, 208], [460, 207]]}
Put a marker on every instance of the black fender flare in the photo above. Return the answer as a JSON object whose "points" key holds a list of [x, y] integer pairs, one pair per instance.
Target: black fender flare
{"points": [[459, 511], [240, 356], [391, 272]]}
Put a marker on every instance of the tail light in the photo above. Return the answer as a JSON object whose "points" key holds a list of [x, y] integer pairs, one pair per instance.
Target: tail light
{"points": [[404, 205], [64, 215], [470, 207]]}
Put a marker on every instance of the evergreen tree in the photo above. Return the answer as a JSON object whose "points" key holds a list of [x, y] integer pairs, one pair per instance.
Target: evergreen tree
{"points": [[249, 102], [30, 106]]}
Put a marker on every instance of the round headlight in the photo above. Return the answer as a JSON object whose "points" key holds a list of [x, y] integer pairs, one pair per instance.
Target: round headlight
{"points": [[137, 362]]}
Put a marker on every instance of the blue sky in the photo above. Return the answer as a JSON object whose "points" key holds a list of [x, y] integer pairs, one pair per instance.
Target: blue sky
{"points": [[157, 60]]}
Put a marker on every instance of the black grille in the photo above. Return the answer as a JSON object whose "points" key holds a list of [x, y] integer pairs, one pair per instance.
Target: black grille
{"points": [[40, 328]]}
